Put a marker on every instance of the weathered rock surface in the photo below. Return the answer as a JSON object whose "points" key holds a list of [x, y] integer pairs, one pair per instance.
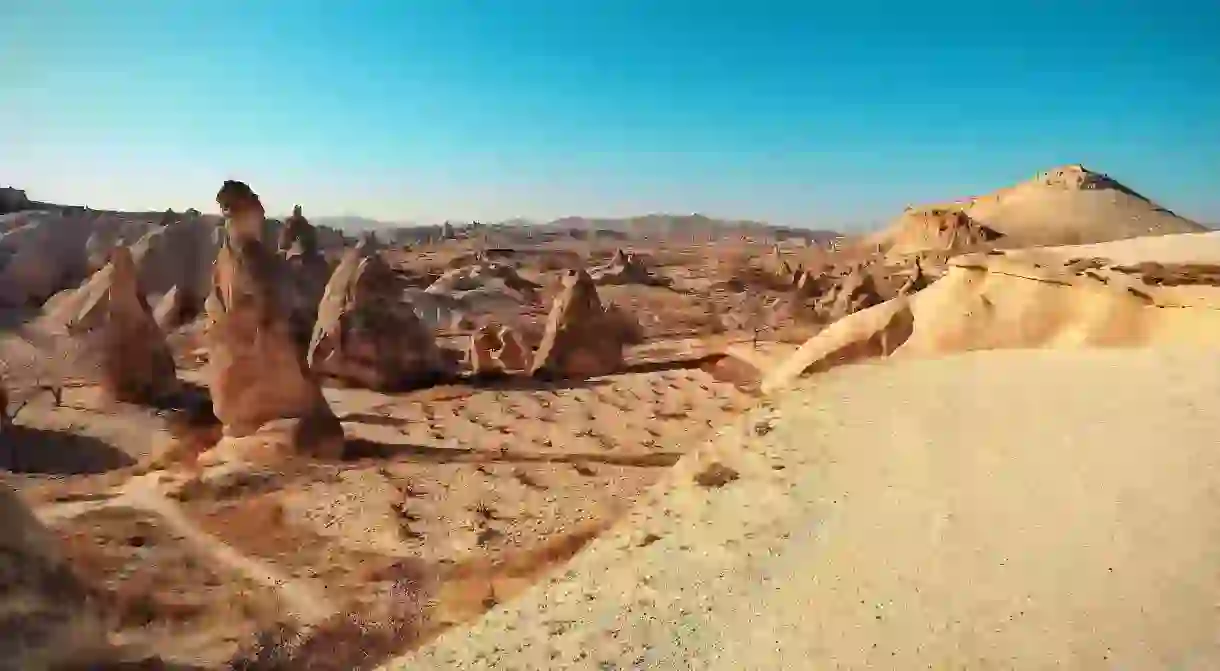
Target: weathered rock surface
{"points": [[367, 334], [580, 340], [497, 351], [624, 268], [262, 391], [118, 334], [1016, 302]]}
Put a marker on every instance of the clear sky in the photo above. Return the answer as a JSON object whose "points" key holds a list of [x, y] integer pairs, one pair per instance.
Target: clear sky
{"points": [[832, 114]]}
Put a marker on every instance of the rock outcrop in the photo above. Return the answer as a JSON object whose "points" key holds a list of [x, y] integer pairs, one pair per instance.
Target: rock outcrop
{"points": [[497, 351], [51, 620], [13, 200], [918, 281], [580, 341], [624, 268], [307, 273], [367, 334], [938, 229], [1063, 206], [118, 334], [262, 391], [1016, 302]]}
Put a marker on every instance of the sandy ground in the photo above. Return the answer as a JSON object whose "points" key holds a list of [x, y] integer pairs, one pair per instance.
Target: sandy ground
{"points": [[1057, 513], [480, 489]]}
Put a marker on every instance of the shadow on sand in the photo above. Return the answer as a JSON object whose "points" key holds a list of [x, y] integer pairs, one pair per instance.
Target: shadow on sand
{"points": [[43, 452]]}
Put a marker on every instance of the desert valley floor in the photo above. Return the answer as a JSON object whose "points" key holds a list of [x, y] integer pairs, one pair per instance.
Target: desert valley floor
{"points": [[516, 450]]}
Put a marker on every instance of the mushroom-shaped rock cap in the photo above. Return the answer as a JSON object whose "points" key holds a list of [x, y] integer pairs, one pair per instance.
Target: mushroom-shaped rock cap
{"points": [[235, 196]]}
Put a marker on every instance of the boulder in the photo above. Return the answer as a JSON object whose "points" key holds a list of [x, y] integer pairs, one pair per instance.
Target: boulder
{"points": [[262, 392], [367, 334], [580, 341], [111, 320]]}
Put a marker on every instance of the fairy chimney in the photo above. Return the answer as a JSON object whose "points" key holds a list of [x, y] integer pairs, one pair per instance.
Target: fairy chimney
{"points": [[262, 392]]}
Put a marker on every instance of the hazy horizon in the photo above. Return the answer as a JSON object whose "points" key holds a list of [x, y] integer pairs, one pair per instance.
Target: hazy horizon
{"points": [[832, 118]]}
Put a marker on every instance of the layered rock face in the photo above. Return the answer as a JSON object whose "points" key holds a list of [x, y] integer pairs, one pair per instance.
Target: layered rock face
{"points": [[367, 334], [581, 340], [262, 391]]}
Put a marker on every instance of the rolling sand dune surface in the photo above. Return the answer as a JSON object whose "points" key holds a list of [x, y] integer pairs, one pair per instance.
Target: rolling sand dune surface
{"points": [[1005, 509]]}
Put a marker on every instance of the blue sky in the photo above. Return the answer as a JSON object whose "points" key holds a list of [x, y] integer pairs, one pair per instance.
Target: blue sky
{"points": [[807, 113]]}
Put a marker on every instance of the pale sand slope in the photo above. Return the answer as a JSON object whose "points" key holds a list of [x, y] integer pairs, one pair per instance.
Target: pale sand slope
{"points": [[1012, 302], [1007, 509], [1063, 206], [1183, 248]]}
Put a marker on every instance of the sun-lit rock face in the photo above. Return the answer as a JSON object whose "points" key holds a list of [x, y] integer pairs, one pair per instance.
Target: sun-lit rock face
{"points": [[262, 391]]}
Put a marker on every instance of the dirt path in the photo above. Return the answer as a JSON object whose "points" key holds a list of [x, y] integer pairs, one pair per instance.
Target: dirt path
{"points": [[305, 601]]}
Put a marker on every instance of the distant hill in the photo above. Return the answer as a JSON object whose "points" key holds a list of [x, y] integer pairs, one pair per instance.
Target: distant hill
{"points": [[354, 224], [1069, 205], [692, 226]]}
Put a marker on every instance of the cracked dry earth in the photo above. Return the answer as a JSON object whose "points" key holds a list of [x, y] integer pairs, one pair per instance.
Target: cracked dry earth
{"points": [[469, 494]]}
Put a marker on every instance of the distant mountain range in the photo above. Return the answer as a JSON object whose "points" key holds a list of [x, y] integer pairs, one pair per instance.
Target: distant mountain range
{"points": [[692, 226]]}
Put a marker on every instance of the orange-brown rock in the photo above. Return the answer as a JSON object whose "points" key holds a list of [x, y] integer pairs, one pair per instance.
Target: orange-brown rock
{"points": [[513, 354], [306, 273], [497, 351], [298, 237], [262, 392], [367, 334], [174, 309], [111, 319], [917, 282], [579, 341], [481, 352], [849, 294]]}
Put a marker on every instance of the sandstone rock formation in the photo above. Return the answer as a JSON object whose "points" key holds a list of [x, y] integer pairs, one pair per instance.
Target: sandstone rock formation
{"points": [[579, 341], [939, 229], [111, 319], [624, 268], [1064, 206], [497, 351], [367, 334], [626, 327], [50, 620], [835, 297], [481, 352], [298, 237], [1016, 301], [485, 276], [178, 258], [262, 391], [918, 281]]}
